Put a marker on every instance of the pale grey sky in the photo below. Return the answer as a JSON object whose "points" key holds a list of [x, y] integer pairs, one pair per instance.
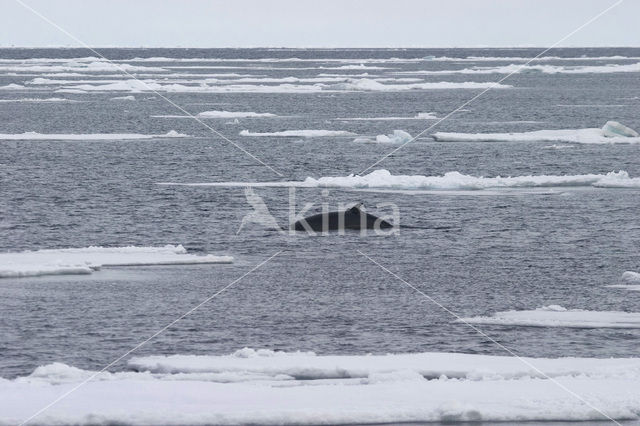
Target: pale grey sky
{"points": [[320, 23]]}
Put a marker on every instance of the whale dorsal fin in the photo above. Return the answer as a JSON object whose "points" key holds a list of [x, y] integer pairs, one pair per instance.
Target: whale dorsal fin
{"points": [[356, 208]]}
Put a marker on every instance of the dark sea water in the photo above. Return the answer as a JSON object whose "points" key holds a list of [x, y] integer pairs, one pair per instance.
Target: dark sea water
{"points": [[474, 252]]}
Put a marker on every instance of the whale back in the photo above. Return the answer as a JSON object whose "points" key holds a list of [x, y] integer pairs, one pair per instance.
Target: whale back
{"points": [[353, 218]]}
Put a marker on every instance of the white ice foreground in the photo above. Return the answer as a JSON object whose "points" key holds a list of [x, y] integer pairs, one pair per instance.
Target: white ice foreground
{"points": [[34, 136], [266, 387], [452, 181], [558, 316], [611, 133], [80, 261]]}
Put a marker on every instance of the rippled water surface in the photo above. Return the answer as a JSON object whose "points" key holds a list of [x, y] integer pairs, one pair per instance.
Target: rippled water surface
{"points": [[474, 252]]}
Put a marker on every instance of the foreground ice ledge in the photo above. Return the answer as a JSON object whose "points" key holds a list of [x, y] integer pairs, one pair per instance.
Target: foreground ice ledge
{"points": [[266, 387]]}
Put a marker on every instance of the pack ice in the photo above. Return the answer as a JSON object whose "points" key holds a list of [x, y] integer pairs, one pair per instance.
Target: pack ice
{"points": [[285, 388]]}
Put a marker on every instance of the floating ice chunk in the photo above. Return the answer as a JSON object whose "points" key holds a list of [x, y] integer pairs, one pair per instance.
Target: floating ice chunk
{"points": [[383, 179], [629, 287], [71, 91], [558, 316], [173, 134], [426, 116], [419, 116], [37, 100], [87, 136], [631, 276], [558, 146], [234, 114], [584, 136], [299, 133], [536, 68], [397, 137], [124, 98], [366, 84], [12, 86], [310, 366], [86, 260], [614, 129]]}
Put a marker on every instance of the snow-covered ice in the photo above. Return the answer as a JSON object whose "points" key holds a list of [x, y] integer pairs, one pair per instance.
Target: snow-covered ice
{"points": [[307, 365], [89, 259], [527, 68], [397, 137], [613, 129], [235, 114], [358, 84], [37, 100], [558, 146], [124, 98], [298, 133], [269, 387], [383, 179], [34, 136], [366, 84], [558, 316], [613, 132], [12, 86], [631, 278], [418, 116]]}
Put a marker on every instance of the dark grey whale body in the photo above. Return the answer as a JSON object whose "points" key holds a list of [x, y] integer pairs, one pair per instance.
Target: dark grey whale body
{"points": [[353, 218]]}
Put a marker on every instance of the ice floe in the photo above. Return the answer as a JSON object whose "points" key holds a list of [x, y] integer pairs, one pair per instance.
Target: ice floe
{"points": [[34, 100], [418, 116], [34, 136], [358, 84], [383, 179], [527, 68], [630, 277], [366, 84], [124, 98], [234, 114], [79, 261], [612, 133], [298, 133], [558, 316], [77, 66], [558, 146], [613, 129], [397, 137], [432, 365], [12, 86], [266, 387]]}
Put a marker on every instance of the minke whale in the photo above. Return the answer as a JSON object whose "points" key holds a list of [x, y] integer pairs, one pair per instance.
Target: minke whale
{"points": [[353, 218]]}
